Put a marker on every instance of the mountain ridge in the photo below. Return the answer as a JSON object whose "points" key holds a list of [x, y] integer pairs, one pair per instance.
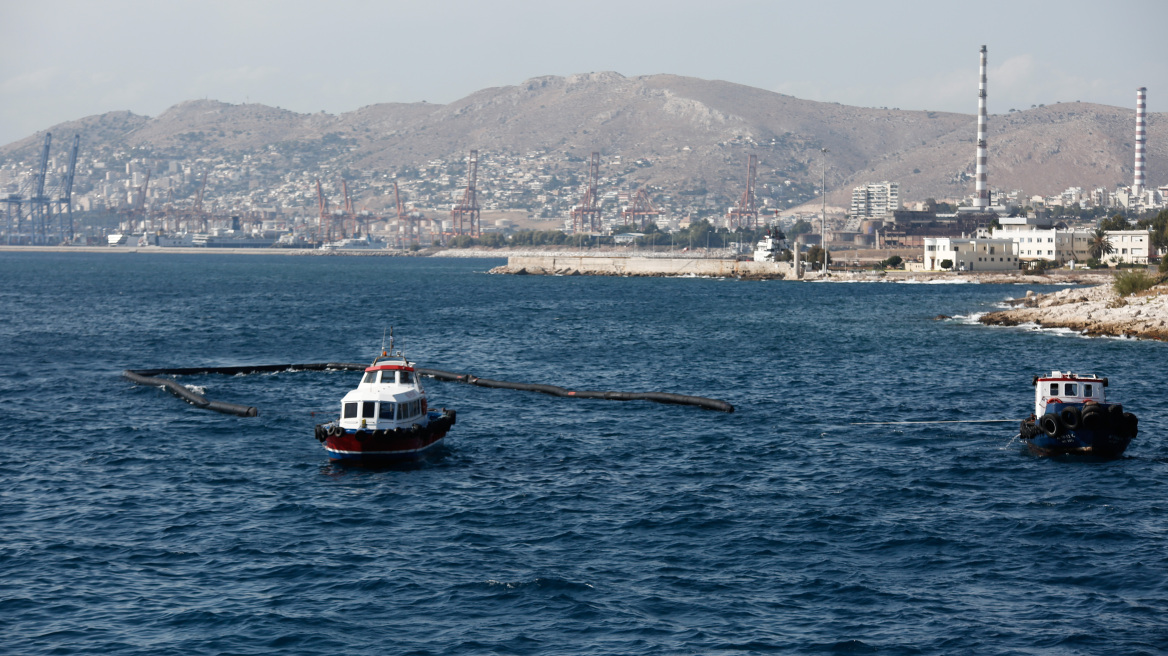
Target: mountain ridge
{"points": [[692, 133]]}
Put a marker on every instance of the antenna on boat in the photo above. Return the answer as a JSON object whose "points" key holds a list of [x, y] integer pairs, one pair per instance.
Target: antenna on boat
{"points": [[390, 339], [383, 342]]}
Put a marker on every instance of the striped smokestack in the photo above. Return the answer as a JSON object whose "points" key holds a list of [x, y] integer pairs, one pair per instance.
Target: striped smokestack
{"points": [[982, 201], [1141, 137]]}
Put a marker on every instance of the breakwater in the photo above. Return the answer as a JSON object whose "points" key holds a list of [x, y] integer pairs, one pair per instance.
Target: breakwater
{"points": [[641, 266]]}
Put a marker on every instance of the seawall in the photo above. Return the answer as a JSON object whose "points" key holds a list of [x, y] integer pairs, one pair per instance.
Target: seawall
{"points": [[641, 266]]}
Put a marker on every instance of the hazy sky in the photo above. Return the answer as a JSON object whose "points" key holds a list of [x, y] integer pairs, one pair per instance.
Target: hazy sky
{"points": [[62, 60]]}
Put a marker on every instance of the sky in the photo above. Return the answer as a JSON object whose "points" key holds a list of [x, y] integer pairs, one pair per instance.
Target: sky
{"points": [[66, 59]]}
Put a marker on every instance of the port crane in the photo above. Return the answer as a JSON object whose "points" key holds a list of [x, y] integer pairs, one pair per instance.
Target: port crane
{"points": [[324, 230], [469, 206], [744, 214], [197, 210], [66, 197], [641, 207], [586, 215], [40, 210], [412, 223]]}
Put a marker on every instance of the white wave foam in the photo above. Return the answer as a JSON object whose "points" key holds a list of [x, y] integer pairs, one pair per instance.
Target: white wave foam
{"points": [[967, 319]]}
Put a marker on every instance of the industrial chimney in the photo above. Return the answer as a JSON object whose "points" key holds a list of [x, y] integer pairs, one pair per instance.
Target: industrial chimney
{"points": [[982, 202], [1141, 137]]}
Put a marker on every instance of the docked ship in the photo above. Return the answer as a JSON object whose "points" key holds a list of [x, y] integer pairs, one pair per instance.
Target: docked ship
{"points": [[387, 418], [230, 239], [770, 247], [1072, 416], [354, 244]]}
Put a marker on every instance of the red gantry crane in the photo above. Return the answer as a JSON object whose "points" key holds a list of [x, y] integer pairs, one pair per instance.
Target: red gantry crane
{"points": [[640, 207], [412, 223], [469, 207], [586, 215], [744, 214], [349, 219]]}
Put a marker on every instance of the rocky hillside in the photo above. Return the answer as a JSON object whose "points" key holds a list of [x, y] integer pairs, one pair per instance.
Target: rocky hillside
{"points": [[686, 133]]}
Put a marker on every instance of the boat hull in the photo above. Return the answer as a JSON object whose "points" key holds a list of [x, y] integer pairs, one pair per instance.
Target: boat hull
{"points": [[1108, 437], [387, 446]]}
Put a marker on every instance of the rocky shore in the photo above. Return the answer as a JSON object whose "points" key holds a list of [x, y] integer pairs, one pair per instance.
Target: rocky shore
{"points": [[1094, 311]]}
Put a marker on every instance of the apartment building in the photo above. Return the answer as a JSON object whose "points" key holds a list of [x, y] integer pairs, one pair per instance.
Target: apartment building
{"points": [[875, 200]]}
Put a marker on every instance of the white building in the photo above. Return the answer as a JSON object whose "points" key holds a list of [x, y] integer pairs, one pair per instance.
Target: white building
{"points": [[1129, 246], [970, 254], [1036, 239], [875, 199]]}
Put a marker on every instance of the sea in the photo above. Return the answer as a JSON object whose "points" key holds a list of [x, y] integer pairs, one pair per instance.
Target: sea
{"points": [[134, 523]]}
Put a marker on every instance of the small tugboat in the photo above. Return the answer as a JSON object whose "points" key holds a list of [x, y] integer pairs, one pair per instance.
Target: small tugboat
{"points": [[1072, 416], [386, 419]]}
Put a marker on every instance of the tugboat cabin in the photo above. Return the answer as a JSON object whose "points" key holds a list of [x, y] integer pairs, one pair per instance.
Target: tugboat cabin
{"points": [[390, 396], [1067, 387]]}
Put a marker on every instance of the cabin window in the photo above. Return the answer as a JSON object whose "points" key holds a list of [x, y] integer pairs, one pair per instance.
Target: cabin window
{"points": [[387, 411], [1071, 389], [368, 409], [1054, 389], [370, 377], [402, 411], [405, 378], [350, 410], [1087, 390]]}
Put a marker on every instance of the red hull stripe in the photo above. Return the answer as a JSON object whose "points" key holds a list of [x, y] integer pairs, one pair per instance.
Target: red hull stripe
{"points": [[393, 452], [388, 367]]}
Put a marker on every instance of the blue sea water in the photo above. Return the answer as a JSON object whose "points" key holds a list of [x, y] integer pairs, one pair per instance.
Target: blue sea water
{"points": [[133, 523]]}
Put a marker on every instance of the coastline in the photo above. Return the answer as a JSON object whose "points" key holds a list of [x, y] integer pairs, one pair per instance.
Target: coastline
{"points": [[625, 263], [187, 250], [1094, 311], [566, 263]]}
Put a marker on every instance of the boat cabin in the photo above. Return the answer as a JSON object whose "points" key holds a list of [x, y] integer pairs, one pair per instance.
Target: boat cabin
{"points": [[390, 396], [1067, 387]]}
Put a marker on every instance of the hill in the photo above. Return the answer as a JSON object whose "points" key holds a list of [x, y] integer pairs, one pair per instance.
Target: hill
{"points": [[683, 133]]}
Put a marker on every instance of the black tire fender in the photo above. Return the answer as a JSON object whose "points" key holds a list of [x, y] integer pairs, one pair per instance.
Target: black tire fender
{"points": [[1131, 425], [1051, 424], [1094, 418], [1071, 417]]}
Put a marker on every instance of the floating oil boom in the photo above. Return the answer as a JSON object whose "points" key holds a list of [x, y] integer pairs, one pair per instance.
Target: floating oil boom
{"points": [[150, 377]]}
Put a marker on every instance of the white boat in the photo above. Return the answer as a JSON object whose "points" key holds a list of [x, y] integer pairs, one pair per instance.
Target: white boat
{"points": [[386, 418], [1072, 416]]}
